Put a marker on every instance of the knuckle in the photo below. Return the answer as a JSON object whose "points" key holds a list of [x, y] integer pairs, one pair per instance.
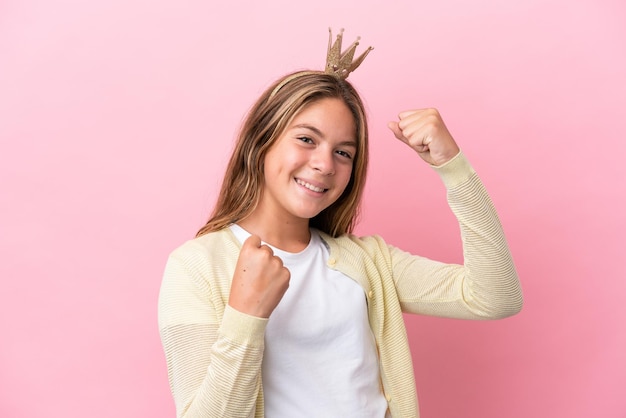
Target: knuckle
{"points": [[277, 262]]}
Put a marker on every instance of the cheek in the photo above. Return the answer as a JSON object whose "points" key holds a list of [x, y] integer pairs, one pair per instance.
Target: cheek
{"points": [[344, 176], [270, 165]]}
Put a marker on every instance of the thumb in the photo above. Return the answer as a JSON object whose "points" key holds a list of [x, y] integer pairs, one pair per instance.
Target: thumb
{"points": [[252, 241], [395, 128]]}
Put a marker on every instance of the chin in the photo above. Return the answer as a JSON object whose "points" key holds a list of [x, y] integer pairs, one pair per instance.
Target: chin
{"points": [[308, 214]]}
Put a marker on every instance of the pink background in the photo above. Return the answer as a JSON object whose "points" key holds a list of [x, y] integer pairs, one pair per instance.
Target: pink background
{"points": [[116, 121]]}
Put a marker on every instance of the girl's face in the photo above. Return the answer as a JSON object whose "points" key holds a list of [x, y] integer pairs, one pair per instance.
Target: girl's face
{"points": [[310, 164]]}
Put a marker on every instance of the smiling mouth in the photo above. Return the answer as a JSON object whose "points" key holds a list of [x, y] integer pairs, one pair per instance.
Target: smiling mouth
{"points": [[310, 186]]}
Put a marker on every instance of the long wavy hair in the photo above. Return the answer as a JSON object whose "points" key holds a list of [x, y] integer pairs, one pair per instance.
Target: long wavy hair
{"points": [[270, 116]]}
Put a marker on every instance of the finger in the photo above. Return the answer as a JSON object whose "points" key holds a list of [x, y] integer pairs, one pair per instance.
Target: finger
{"points": [[395, 128], [417, 138], [252, 241], [421, 117], [408, 113], [268, 250], [412, 120]]}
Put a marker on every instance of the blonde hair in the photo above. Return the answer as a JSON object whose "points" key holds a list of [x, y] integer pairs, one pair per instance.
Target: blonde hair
{"points": [[269, 117]]}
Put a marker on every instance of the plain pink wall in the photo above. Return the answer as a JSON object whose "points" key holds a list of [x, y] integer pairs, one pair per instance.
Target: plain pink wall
{"points": [[116, 120]]}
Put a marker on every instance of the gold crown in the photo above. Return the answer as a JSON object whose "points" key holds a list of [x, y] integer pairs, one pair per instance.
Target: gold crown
{"points": [[340, 63]]}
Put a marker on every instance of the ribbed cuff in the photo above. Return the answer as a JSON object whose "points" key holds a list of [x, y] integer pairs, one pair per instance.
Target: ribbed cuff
{"points": [[455, 171], [243, 328]]}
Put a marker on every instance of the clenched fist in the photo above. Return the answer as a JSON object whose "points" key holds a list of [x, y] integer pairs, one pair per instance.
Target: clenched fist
{"points": [[424, 131], [260, 279]]}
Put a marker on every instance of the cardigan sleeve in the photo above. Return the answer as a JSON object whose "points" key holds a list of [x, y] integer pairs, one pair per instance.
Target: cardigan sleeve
{"points": [[213, 352], [486, 286]]}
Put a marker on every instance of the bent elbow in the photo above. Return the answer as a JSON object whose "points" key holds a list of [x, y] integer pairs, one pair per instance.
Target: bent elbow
{"points": [[513, 309], [507, 307]]}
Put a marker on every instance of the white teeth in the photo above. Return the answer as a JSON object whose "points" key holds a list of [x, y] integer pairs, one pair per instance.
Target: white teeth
{"points": [[309, 186]]}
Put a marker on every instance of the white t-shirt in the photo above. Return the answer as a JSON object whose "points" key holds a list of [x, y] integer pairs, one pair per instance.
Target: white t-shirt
{"points": [[320, 356]]}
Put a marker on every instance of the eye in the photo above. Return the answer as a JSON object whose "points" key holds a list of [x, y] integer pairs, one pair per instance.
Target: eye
{"points": [[344, 154], [305, 139]]}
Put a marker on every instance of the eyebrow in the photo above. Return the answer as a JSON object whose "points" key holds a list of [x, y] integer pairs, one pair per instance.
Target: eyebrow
{"points": [[349, 142]]}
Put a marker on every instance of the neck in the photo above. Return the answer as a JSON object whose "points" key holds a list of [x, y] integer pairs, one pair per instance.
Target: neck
{"points": [[287, 235]]}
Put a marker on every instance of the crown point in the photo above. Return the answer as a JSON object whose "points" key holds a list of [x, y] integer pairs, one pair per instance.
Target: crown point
{"points": [[340, 63]]}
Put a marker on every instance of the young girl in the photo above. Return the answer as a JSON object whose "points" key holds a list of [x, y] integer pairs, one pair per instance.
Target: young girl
{"points": [[276, 310]]}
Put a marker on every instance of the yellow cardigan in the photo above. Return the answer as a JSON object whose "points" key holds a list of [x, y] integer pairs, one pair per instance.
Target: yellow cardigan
{"points": [[214, 352]]}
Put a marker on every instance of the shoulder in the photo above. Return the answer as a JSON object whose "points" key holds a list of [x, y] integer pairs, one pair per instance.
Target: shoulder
{"points": [[203, 263], [214, 245]]}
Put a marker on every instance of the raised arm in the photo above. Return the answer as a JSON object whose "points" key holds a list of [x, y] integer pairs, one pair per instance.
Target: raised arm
{"points": [[486, 286]]}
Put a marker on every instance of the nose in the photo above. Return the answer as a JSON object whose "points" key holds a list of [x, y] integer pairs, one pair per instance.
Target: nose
{"points": [[323, 161]]}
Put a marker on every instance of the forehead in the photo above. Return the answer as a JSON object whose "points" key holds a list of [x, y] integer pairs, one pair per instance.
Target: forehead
{"points": [[328, 115]]}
